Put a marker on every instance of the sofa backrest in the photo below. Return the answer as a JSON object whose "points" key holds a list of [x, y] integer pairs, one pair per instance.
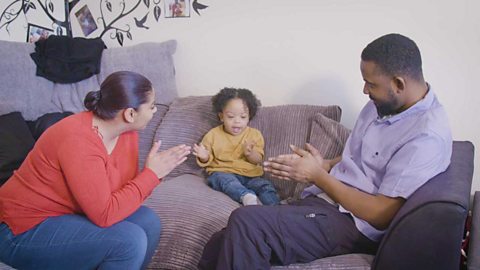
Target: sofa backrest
{"points": [[21, 90], [188, 119]]}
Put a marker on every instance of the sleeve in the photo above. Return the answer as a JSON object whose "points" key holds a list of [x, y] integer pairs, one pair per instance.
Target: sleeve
{"points": [[414, 164], [207, 141], [83, 164]]}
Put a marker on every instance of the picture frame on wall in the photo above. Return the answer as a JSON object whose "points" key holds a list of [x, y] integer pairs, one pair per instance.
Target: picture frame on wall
{"points": [[177, 8], [37, 32], [86, 21]]}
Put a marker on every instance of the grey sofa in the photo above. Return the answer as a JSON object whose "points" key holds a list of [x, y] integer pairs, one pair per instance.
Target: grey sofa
{"points": [[425, 234]]}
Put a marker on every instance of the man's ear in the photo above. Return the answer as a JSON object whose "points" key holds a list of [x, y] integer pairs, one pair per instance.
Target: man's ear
{"points": [[399, 84], [129, 115]]}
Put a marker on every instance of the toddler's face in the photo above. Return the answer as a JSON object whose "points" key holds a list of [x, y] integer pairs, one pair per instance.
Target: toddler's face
{"points": [[234, 116]]}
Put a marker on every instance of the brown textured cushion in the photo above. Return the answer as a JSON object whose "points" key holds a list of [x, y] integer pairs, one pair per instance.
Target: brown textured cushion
{"points": [[340, 262], [145, 136], [329, 137], [186, 121], [288, 124], [190, 212]]}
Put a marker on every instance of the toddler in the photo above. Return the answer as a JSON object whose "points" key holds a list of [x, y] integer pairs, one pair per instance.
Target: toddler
{"points": [[232, 153]]}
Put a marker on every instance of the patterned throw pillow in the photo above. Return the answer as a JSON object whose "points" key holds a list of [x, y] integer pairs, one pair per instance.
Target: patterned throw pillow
{"points": [[186, 122], [329, 137], [288, 124], [145, 136]]}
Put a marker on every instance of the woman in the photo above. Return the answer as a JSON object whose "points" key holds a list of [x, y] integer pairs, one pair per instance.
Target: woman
{"points": [[76, 201]]}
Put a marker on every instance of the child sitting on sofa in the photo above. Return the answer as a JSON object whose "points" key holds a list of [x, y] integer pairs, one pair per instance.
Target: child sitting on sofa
{"points": [[232, 153]]}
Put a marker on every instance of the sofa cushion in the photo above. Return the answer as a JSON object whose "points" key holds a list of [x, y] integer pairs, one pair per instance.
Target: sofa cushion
{"points": [[33, 96], [340, 262], [145, 136], [191, 212], [186, 121], [153, 60], [288, 124], [21, 90], [15, 143], [329, 137], [160, 71]]}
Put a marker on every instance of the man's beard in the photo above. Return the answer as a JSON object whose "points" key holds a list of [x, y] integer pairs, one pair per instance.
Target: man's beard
{"points": [[388, 107]]}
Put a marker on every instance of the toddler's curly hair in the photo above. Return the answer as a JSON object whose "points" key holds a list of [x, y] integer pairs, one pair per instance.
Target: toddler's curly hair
{"points": [[220, 100]]}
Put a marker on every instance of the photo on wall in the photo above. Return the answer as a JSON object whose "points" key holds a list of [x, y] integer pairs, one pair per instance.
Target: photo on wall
{"points": [[86, 21], [37, 32], [177, 8]]}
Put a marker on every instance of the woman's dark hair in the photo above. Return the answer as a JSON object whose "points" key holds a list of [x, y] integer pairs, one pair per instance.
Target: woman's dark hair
{"points": [[120, 90], [395, 55], [221, 99]]}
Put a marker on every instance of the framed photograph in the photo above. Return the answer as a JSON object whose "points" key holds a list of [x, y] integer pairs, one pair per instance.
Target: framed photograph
{"points": [[177, 8], [37, 32], [86, 21]]}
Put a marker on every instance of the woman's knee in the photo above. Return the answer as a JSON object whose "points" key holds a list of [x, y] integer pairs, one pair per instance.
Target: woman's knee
{"points": [[149, 218], [129, 240]]}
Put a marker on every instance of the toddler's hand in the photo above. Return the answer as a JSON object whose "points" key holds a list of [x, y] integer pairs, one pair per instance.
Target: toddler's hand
{"points": [[248, 146], [201, 152]]}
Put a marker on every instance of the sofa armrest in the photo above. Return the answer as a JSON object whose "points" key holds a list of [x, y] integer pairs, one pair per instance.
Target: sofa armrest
{"points": [[427, 231], [473, 260]]}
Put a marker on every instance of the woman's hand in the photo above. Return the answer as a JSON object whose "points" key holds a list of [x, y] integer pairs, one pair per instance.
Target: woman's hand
{"points": [[162, 163], [201, 152], [302, 166]]}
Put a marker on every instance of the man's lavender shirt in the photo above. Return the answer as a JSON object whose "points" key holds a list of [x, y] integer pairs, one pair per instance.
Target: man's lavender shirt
{"points": [[394, 156]]}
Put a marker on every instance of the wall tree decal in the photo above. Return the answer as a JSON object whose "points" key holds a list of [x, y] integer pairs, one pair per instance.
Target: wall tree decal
{"points": [[119, 32], [21, 7], [115, 15]]}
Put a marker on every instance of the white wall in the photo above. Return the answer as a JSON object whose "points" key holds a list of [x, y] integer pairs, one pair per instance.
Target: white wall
{"points": [[308, 51]]}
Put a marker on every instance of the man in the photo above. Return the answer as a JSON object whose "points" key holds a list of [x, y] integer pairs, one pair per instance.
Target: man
{"points": [[401, 140]]}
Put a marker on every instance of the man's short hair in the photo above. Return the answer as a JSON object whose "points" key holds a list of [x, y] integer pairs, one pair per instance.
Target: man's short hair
{"points": [[395, 55]]}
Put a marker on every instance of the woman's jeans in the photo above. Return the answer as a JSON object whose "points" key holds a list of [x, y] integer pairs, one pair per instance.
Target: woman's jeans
{"points": [[236, 186], [74, 242]]}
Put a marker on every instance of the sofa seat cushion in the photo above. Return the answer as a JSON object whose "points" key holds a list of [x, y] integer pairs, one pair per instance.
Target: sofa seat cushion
{"points": [[190, 212], [341, 262]]}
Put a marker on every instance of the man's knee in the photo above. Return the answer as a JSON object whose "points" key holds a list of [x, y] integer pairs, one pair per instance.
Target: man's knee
{"points": [[244, 216]]}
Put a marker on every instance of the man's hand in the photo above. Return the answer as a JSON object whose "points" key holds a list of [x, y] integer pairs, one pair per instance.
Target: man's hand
{"points": [[162, 163], [201, 152], [302, 166]]}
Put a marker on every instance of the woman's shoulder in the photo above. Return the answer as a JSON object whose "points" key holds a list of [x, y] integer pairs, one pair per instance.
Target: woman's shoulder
{"points": [[74, 127]]}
